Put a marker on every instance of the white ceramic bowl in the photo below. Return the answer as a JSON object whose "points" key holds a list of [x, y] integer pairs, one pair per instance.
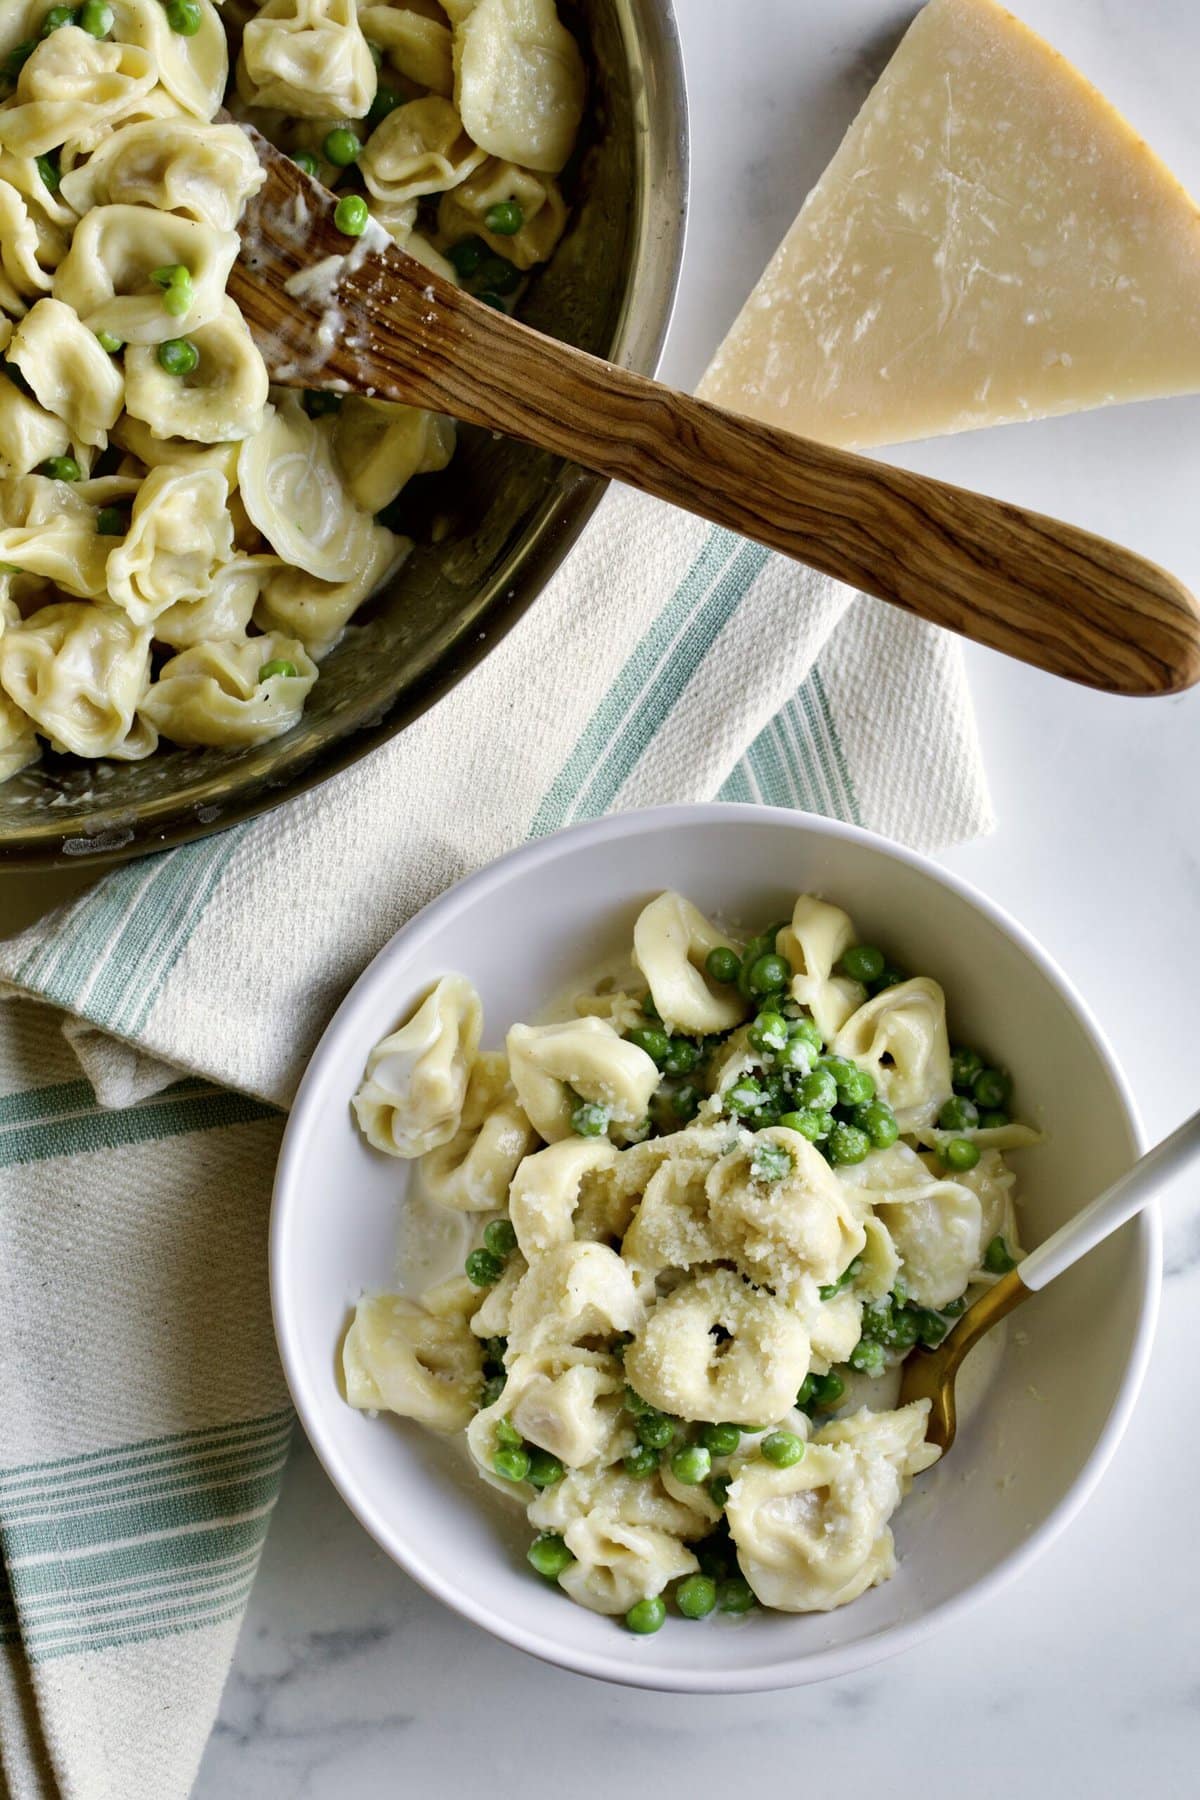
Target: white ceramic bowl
{"points": [[523, 928]]}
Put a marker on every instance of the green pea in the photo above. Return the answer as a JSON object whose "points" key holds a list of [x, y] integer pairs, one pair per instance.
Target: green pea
{"points": [[992, 1120], [319, 404], [868, 1357], [808, 1392], [958, 1115], [171, 275], [832, 1289], [718, 1489], [492, 1389], [783, 1448], [500, 1238], [507, 1436], [511, 1465], [341, 147], [954, 1309], [184, 17], [279, 665], [997, 1259], [641, 1461], [112, 521], [95, 17], [745, 1095], [655, 1430], [646, 1616], [692, 1464], [385, 102], [504, 219], [56, 18], [858, 1088], [769, 1031], [483, 1268], [177, 301], [991, 1088], [654, 1042], [828, 1391], [722, 965], [544, 1470], [715, 1553], [863, 962], [771, 1162], [770, 974], [16, 59], [905, 1328], [549, 1554], [494, 1350], [61, 468], [497, 274], [633, 1403], [818, 1091], [720, 1440], [589, 1119], [108, 342], [960, 1153], [696, 1596], [351, 215], [685, 1102], [965, 1065], [810, 1125], [48, 170], [468, 256], [178, 356], [878, 1120], [805, 1031], [795, 1057], [304, 159], [681, 1058], [734, 1595], [840, 1067], [891, 977], [931, 1327], [847, 1144]]}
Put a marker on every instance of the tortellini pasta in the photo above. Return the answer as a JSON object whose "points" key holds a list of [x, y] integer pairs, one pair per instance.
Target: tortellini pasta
{"points": [[68, 372], [240, 693], [717, 1348], [421, 1361], [79, 672], [679, 1324], [412, 1097], [148, 466], [308, 57], [519, 82], [554, 1067], [900, 1038], [672, 940], [815, 1536]]}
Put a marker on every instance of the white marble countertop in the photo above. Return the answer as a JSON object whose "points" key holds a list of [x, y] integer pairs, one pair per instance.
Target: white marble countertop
{"points": [[1082, 1677]]}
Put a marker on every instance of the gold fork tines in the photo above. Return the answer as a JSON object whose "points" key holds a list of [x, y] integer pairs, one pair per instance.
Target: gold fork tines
{"points": [[930, 1374]]}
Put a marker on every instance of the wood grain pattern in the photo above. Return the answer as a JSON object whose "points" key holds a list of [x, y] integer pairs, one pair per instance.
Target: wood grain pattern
{"points": [[1032, 587]]}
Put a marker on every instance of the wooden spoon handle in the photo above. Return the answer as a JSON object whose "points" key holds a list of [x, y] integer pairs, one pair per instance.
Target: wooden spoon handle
{"points": [[1033, 587], [1046, 592]]}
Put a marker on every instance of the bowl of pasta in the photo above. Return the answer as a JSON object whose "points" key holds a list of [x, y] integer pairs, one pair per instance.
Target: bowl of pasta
{"points": [[617, 1194], [215, 592]]}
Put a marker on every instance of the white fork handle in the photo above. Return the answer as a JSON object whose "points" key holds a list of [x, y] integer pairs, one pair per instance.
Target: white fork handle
{"points": [[1118, 1203]]}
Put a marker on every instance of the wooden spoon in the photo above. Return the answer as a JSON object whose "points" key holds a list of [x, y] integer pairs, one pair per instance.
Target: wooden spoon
{"points": [[930, 1374], [1046, 592]]}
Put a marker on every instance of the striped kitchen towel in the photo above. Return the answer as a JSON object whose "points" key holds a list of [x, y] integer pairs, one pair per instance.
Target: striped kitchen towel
{"points": [[143, 1422]]}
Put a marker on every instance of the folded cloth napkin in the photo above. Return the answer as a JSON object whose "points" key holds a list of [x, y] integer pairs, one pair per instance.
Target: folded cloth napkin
{"points": [[143, 1421]]}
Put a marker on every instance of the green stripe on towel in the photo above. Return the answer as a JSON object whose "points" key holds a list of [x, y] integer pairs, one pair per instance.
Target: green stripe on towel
{"points": [[144, 1539]]}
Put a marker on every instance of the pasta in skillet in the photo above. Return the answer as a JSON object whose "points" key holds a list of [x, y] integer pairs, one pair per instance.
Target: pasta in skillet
{"points": [[226, 532], [711, 1212]]}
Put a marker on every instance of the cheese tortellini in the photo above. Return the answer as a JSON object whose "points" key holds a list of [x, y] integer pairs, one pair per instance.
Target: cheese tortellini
{"points": [[708, 1207], [148, 466]]}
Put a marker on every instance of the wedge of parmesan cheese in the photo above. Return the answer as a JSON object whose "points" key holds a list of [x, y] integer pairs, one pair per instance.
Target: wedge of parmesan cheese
{"points": [[991, 242]]}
